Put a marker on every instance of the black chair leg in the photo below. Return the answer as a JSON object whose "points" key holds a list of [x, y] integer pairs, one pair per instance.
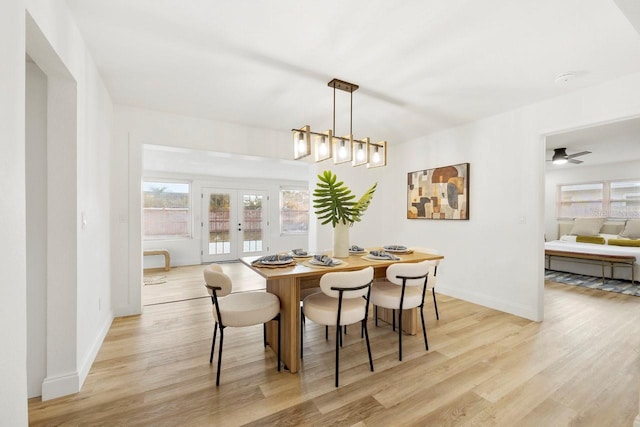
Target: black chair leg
{"points": [[424, 328], [375, 309], [220, 357], [279, 348], [264, 334], [435, 303], [366, 335], [326, 332], [213, 342], [301, 339], [399, 334], [394, 320], [338, 341]]}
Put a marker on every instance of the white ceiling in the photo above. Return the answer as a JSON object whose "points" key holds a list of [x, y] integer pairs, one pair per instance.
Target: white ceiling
{"points": [[422, 65], [159, 158]]}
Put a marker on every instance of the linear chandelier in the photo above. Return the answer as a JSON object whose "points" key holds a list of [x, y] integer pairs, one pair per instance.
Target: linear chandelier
{"points": [[342, 149]]}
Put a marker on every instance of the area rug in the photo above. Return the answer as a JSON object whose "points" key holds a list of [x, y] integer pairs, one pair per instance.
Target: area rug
{"points": [[155, 280], [611, 285]]}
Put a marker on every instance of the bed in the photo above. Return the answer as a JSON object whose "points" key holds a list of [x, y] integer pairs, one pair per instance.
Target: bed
{"points": [[600, 248]]}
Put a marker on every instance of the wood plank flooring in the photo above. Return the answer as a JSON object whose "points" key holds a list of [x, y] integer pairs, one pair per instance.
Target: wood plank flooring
{"points": [[183, 283], [581, 366]]}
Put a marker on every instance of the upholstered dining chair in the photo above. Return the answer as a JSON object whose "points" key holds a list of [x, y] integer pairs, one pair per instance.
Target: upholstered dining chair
{"points": [[404, 288], [433, 273], [344, 300], [237, 310]]}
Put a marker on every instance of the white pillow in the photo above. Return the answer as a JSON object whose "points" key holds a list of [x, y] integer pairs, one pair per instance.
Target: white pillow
{"points": [[631, 229], [587, 226]]}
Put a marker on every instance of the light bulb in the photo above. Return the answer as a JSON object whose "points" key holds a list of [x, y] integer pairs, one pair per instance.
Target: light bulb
{"points": [[376, 156], [343, 151], [360, 154], [323, 147], [302, 146]]}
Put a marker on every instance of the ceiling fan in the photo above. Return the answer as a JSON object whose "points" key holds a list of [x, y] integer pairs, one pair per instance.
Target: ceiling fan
{"points": [[560, 156]]}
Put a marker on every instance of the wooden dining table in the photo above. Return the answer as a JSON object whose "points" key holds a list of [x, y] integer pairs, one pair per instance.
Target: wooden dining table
{"points": [[287, 282]]}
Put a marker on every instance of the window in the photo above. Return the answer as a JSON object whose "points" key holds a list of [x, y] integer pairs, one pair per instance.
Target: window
{"points": [[625, 199], [608, 199], [294, 211], [581, 200], [166, 212]]}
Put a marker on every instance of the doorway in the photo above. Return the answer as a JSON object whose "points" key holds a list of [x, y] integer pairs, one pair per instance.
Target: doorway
{"points": [[234, 224]]}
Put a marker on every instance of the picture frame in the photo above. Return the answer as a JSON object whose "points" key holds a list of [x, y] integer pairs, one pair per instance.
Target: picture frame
{"points": [[440, 193]]}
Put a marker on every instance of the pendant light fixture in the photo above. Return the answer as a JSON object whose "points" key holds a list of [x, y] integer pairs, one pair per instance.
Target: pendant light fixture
{"points": [[341, 148]]}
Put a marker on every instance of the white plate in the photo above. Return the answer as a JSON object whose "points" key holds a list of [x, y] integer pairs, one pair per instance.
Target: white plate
{"points": [[277, 262], [380, 258], [334, 262], [308, 255], [395, 248], [357, 252]]}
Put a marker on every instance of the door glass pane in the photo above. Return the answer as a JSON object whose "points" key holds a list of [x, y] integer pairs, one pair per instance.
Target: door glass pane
{"points": [[219, 224], [252, 223]]}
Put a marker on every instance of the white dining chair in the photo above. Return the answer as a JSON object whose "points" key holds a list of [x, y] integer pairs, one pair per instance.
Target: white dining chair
{"points": [[344, 300], [404, 289], [433, 273], [237, 310]]}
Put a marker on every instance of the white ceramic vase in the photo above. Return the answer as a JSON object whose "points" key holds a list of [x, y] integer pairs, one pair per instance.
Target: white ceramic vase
{"points": [[341, 240]]}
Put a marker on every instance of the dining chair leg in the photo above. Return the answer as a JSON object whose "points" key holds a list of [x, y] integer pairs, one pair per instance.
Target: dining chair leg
{"points": [[399, 334], [301, 339], [394, 320], [338, 340], [435, 303], [366, 335], [375, 309], [279, 342], [326, 332], [264, 334], [220, 356], [213, 342], [424, 329]]}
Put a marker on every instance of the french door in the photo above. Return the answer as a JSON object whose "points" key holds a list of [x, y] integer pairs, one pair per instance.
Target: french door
{"points": [[234, 224]]}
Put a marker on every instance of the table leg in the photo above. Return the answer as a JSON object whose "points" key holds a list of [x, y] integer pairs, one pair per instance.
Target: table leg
{"points": [[288, 290], [409, 318]]}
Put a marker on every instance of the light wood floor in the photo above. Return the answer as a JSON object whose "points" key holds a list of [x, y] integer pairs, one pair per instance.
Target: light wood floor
{"points": [[183, 283], [581, 366]]}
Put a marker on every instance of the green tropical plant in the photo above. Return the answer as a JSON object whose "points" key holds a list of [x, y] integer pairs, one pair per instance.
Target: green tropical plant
{"points": [[334, 203]]}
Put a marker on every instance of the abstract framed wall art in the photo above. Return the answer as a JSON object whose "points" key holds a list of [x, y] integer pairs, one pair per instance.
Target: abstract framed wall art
{"points": [[439, 193]]}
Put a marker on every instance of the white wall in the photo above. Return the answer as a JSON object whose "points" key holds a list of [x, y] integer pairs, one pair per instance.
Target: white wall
{"points": [[577, 175], [13, 331], [496, 258], [36, 210], [78, 134], [133, 128]]}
